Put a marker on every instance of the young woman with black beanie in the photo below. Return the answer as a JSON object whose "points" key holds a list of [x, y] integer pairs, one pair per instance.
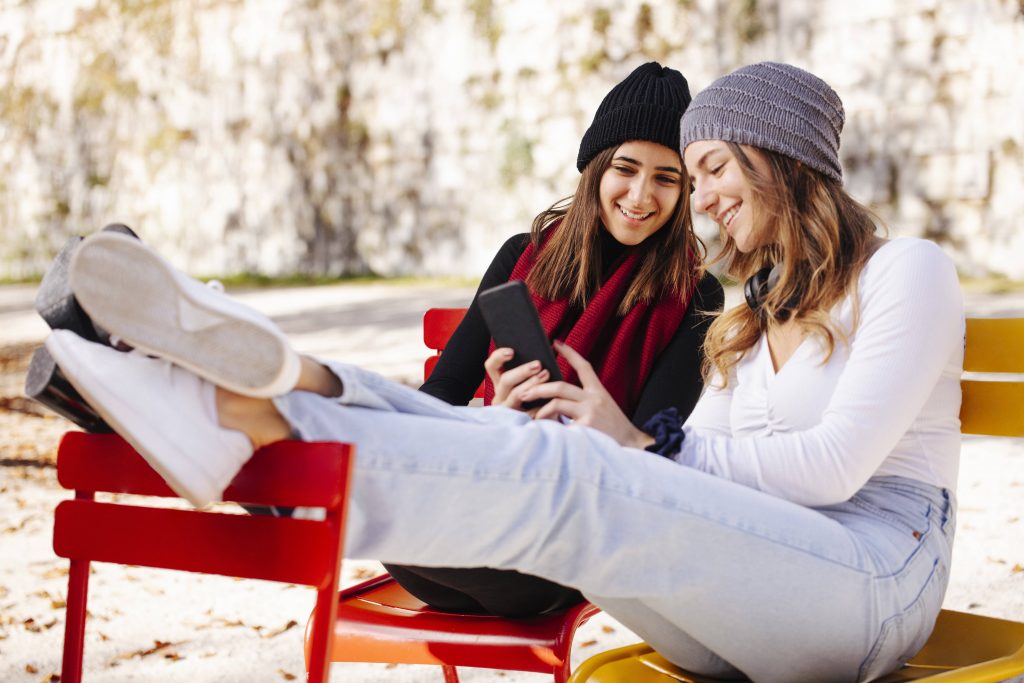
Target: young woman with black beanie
{"points": [[615, 271]]}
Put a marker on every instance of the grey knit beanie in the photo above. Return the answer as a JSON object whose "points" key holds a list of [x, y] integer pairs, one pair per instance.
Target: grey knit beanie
{"points": [[774, 106], [646, 105]]}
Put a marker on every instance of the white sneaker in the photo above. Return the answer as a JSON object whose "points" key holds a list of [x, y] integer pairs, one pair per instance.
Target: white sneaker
{"points": [[168, 414], [129, 290]]}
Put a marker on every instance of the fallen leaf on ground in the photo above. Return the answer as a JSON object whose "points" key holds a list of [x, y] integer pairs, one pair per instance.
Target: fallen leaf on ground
{"points": [[588, 643], [158, 645], [364, 573], [56, 573], [33, 626], [31, 669], [1017, 569], [607, 629], [276, 631], [218, 622], [286, 676]]}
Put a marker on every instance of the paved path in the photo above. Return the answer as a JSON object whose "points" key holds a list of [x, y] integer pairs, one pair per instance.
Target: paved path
{"points": [[376, 325]]}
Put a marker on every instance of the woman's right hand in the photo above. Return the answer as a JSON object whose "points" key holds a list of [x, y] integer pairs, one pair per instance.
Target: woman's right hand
{"points": [[509, 385]]}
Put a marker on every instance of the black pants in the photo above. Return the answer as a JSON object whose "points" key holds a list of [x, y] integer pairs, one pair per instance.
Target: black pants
{"points": [[483, 590]]}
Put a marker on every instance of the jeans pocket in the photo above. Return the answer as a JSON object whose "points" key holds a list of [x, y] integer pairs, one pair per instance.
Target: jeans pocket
{"points": [[902, 635], [914, 520]]}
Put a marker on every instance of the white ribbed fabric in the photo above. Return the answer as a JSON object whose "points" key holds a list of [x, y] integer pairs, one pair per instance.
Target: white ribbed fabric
{"points": [[886, 404]]}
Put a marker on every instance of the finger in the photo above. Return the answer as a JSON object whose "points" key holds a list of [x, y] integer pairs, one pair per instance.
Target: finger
{"points": [[584, 370], [555, 407], [513, 377], [496, 361], [561, 390], [516, 392]]}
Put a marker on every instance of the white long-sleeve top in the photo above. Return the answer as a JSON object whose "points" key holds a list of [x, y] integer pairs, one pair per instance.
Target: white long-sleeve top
{"points": [[886, 403]]}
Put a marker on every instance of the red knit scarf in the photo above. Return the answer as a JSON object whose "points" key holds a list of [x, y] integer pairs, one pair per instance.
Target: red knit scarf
{"points": [[621, 349]]}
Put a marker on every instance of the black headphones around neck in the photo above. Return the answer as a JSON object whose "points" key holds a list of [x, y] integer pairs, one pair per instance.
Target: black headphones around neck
{"points": [[757, 287]]}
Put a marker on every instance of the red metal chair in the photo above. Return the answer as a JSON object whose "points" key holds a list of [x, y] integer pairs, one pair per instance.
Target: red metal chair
{"points": [[379, 621], [287, 473], [438, 325]]}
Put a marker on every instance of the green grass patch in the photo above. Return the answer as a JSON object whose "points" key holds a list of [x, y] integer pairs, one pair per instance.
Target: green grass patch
{"points": [[259, 281]]}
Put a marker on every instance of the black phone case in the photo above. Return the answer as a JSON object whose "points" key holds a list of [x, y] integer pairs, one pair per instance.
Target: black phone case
{"points": [[513, 321]]}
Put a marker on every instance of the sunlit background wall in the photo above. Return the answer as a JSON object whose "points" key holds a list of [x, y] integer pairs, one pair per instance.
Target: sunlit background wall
{"points": [[335, 137]]}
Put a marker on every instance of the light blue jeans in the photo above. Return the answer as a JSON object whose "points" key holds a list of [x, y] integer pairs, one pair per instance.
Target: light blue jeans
{"points": [[719, 578]]}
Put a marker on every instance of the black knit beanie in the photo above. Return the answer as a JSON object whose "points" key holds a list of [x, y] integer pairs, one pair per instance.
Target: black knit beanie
{"points": [[647, 105]]}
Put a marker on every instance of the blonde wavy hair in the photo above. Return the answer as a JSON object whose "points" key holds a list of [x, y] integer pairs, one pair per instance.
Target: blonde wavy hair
{"points": [[569, 266], [821, 236]]}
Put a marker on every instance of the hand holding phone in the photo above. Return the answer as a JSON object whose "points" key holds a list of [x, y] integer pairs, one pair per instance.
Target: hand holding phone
{"points": [[513, 322]]}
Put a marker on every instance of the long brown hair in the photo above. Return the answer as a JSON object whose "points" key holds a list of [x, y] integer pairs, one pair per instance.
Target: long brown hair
{"points": [[821, 236], [569, 266]]}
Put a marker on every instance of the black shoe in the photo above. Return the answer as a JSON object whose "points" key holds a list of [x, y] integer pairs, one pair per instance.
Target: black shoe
{"points": [[46, 384], [57, 305], [58, 308]]}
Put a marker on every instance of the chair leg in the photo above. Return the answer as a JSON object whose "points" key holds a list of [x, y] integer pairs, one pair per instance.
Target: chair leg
{"points": [[74, 625], [321, 631], [450, 674], [562, 672], [320, 635]]}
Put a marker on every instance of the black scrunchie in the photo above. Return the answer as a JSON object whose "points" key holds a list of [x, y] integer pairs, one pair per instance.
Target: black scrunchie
{"points": [[666, 426]]}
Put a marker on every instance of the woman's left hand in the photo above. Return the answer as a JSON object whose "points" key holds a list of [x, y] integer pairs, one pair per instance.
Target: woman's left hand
{"points": [[589, 404]]}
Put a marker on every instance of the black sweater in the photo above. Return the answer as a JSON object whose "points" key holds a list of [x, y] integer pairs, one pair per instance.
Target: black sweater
{"points": [[675, 379]]}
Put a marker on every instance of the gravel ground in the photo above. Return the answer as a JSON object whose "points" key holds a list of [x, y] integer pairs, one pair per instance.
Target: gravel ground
{"points": [[153, 625]]}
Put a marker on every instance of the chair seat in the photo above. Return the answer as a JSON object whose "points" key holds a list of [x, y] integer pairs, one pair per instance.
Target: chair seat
{"points": [[963, 648], [379, 621]]}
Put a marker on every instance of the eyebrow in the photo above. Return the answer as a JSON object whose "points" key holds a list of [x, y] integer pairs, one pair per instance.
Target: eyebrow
{"points": [[703, 161], [671, 169]]}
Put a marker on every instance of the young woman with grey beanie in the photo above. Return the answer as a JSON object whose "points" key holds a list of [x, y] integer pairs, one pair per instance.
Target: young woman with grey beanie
{"points": [[798, 528]]}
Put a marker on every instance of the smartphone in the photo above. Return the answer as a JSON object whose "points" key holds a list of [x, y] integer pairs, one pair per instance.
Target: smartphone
{"points": [[513, 321]]}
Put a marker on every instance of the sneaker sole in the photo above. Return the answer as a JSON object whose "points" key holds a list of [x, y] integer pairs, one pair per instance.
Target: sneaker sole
{"points": [[138, 296], [82, 378]]}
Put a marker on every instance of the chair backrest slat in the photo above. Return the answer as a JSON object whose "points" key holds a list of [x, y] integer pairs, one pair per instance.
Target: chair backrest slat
{"points": [[993, 407], [279, 474], [260, 547], [438, 326], [995, 345]]}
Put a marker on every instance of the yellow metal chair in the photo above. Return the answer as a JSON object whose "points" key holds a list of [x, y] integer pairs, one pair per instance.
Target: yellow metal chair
{"points": [[963, 648]]}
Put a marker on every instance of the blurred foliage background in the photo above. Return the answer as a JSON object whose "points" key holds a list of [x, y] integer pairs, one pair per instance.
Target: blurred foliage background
{"points": [[411, 137]]}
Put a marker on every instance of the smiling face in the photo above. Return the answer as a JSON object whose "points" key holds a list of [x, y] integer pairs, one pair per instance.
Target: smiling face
{"points": [[723, 191], [639, 190]]}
